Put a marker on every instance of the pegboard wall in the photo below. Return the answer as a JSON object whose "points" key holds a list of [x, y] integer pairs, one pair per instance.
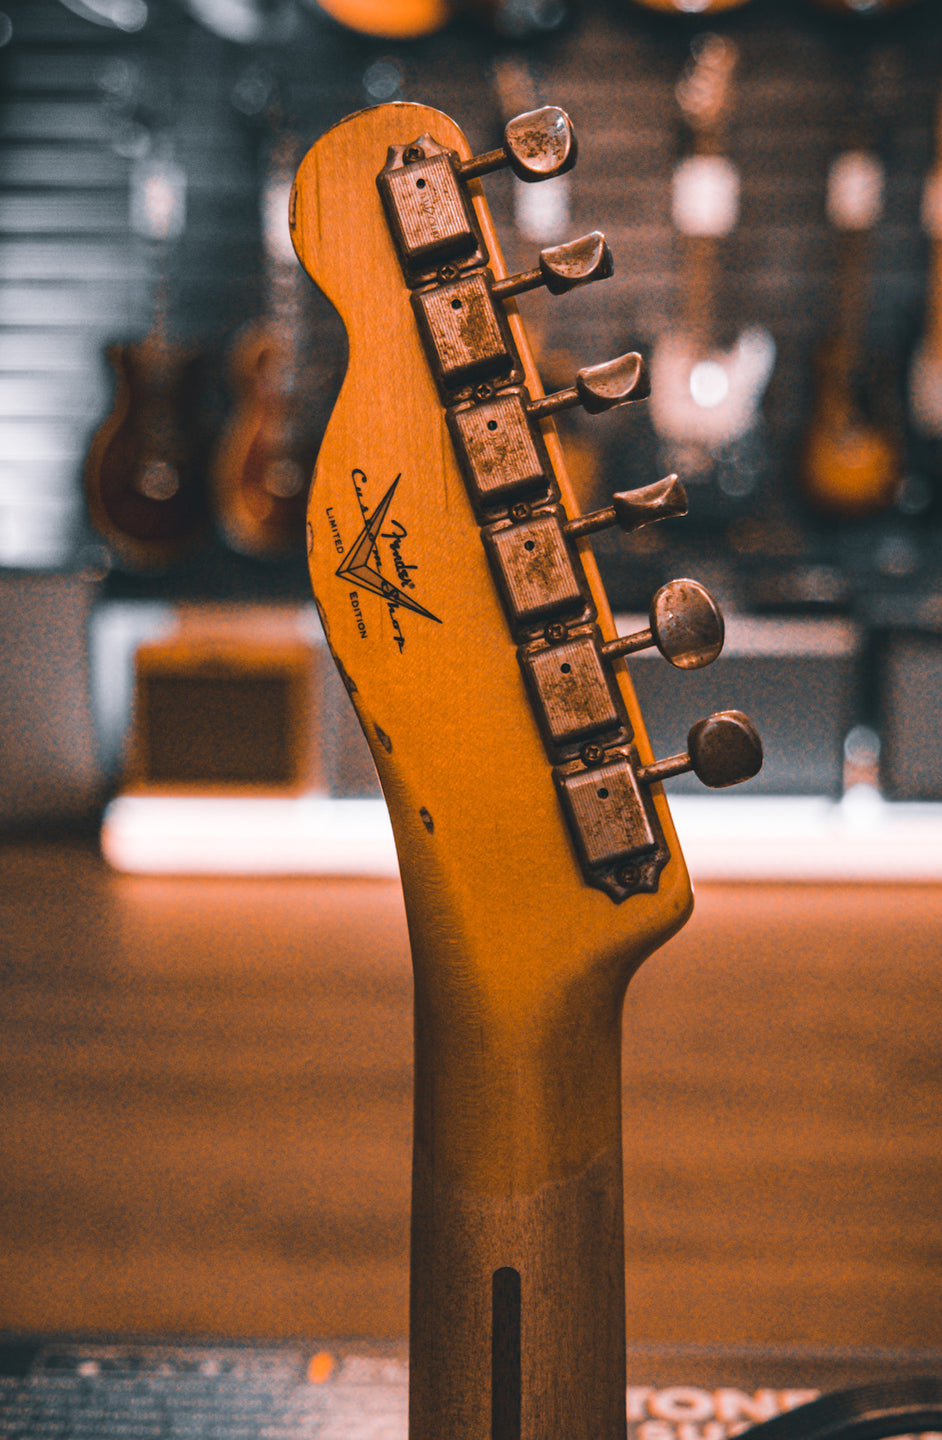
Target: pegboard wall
{"points": [[83, 104]]}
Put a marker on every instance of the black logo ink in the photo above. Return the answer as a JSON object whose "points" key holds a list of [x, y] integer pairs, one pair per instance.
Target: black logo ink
{"points": [[363, 564]]}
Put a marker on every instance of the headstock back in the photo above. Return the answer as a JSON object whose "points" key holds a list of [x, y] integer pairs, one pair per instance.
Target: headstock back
{"points": [[464, 687]]}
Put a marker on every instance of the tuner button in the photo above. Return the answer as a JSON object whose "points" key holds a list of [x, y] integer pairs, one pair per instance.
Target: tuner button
{"points": [[537, 146], [564, 267], [632, 509], [722, 750], [686, 626], [599, 387], [725, 749], [663, 500], [540, 143], [615, 382]]}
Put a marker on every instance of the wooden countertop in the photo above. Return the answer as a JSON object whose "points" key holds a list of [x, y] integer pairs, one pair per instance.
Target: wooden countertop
{"points": [[207, 1096]]}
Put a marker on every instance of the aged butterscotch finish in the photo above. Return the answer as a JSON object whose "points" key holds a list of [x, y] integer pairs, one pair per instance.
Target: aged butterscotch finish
{"points": [[520, 961]]}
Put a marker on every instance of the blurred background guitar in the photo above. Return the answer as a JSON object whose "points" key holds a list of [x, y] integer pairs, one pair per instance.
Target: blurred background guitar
{"points": [[143, 478], [262, 464], [852, 463], [706, 398], [925, 374]]}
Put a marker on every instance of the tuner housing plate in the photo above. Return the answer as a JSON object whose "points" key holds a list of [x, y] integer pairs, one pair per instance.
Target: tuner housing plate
{"points": [[613, 824], [500, 451], [466, 334], [429, 211], [539, 574], [574, 696]]}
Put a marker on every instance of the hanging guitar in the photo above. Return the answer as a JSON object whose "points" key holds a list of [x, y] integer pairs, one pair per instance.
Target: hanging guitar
{"points": [[706, 399], [261, 467], [539, 862], [852, 463], [142, 479], [925, 371]]}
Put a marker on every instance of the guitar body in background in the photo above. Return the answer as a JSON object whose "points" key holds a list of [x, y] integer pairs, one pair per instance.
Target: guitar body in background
{"points": [[691, 7], [143, 484], [705, 398], [858, 9], [143, 478], [538, 859], [925, 372], [262, 464], [852, 463]]}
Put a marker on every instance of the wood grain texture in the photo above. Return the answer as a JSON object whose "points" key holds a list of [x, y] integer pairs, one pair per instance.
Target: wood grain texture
{"points": [[207, 1099], [520, 967]]}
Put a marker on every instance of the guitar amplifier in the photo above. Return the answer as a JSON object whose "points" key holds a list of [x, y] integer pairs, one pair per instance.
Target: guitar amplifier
{"points": [[798, 678], [49, 755], [227, 703], [910, 669]]}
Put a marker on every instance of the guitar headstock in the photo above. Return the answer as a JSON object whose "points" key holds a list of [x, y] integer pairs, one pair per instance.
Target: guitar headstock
{"points": [[453, 576]]}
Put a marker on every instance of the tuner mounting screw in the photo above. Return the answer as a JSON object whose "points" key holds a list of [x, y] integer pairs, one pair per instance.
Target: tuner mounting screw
{"points": [[629, 875], [520, 511], [483, 392], [592, 754], [446, 273], [413, 153], [556, 631]]}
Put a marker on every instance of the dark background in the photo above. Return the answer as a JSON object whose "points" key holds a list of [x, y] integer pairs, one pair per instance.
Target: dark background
{"points": [[81, 100]]}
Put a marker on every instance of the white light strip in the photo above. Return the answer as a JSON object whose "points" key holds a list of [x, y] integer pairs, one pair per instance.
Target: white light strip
{"points": [[809, 838], [724, 838], [209, 835]]}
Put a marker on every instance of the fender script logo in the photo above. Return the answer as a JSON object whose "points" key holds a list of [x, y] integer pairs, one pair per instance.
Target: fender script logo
{"points": [[363, 565]]}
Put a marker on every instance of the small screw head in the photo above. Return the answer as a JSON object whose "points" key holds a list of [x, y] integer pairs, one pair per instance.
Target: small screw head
{"points": [[592, 754], [629, 876], [413, 153], [446, 273], [483, 392], [520, 511], [555, 632]]}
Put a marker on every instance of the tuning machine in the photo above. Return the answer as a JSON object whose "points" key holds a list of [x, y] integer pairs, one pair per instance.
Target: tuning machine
{"points": [[612, 822], [425, 195], [724, 749], [599, 387], [538, 145], [468, 342], [573, 692], [685, 623], [562, 268], [632, 509], [540, 578]]}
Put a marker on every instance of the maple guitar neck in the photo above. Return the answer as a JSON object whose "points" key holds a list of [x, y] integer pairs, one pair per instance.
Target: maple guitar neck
{"points": [[521, 957]]}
